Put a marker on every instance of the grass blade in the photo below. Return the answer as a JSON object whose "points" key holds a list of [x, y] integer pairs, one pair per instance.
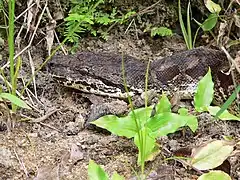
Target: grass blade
{"points": [[189, 27], [185, 35], [229, 101]]}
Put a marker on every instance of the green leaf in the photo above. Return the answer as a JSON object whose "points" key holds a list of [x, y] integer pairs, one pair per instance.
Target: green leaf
{"points": [[189, 29], [229, 101], [211, 155], [183, 111], [204, 94], [116, 176], [124, 126], [192, 122], [165, 123], [142, 114], [15, 100], [95, 172], [146, 146], [129, 14], [163, 105], [161, 31], [186, 36], [212, 6], [210, 22], [225, 115], [80, 18], [105, 20], [215, 175]]}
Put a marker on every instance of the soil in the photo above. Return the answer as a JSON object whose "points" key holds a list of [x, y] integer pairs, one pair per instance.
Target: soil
{"points": [[59, 147]]}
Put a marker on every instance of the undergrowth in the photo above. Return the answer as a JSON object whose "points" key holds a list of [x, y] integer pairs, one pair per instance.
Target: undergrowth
{"points": [[94, 18], [145, 127], [11, 95]]}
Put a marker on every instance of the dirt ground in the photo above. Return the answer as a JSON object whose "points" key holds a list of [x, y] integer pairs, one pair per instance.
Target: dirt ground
{"points": [[60, 148]]}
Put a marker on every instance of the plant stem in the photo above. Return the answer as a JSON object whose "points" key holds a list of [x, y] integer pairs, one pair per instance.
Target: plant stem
{"points": [[11, 8], [138, 125], [189, 27]]}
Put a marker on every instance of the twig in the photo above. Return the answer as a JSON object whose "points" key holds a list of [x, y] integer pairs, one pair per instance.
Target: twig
{"points": [[44, 117], [21, 163], [130, 24], [31, 40], [230, 58], [30, 92], [49, 126], [146, 9], [235, 65], [64, 51], [33, 35], [18, 93], [24, 11], [33, 71]]}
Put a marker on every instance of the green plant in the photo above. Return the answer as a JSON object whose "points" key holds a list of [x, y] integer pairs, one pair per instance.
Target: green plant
{"points": [[208, 156], [160, 31], [186, 34], [212, 175], [92, 18], [14, 69], [14, 100], [207, 25], [144, 127], [13, 72], [95, 172], [204, 97], [229, 101]]}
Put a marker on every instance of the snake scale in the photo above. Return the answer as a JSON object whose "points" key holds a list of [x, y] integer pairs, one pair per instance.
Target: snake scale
{"points": [[101, 73]]}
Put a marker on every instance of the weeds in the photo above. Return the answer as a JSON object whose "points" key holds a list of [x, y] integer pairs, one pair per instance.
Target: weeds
{"points": [[14, 71], [207, 25], [186, 34], [144, 127], [158, 31], [89, 16]]}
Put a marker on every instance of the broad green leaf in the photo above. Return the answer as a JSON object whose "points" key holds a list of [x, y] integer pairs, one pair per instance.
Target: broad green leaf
{"points": [[192, 122], [165, 123], [183, 111], [15, 100], [229, 101], [146, 146], [211, 155], [163, 105], [212, 6], [116, 176], [155, 152], [124, 126], [225, 115], [204, 94], [142, 114], [215, 175], [210, 22], [95, 172]]}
